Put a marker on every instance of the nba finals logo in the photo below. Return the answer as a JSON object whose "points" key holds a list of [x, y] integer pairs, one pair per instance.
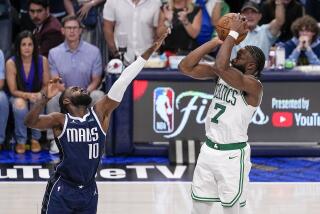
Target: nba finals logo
{"points": [[163, 117]]}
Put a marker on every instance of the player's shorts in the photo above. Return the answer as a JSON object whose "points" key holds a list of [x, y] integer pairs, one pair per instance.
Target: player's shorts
{"points": [[64, 198], [222, 173]]}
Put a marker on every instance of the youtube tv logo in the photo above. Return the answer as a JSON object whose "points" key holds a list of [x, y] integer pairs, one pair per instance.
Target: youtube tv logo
{"points": [[282, 119]]}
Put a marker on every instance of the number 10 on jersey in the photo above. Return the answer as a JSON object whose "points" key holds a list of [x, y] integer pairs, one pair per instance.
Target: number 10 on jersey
{"points": [[93, 151]]}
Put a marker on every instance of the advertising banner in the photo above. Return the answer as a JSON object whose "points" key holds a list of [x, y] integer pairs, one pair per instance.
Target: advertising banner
{"points": [[164, 111]]}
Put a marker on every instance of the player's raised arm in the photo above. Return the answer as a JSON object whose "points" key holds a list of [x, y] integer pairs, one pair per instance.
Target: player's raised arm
{"points": [[243, 72], [34, 120], [108, 103], [190, 64]]}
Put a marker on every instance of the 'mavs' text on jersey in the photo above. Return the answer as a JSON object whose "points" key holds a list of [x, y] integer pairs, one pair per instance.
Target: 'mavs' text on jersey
{"points": [[82, 134]]}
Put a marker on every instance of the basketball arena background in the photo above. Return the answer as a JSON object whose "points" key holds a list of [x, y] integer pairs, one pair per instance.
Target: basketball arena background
{"points": [[155, 136]]}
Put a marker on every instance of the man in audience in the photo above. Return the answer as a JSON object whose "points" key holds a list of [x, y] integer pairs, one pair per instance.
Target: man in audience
{"points": [[48, 28], [4, 104], [293, 9], [261, 36], [87, 12], [133, 22], [77, 62]]}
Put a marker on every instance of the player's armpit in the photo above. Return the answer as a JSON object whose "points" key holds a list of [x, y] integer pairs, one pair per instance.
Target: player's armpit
{"points": [[104, 107]]}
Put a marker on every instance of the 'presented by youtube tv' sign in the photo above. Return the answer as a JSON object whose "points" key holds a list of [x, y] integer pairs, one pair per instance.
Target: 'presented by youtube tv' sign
{"points": [[289, 112]]}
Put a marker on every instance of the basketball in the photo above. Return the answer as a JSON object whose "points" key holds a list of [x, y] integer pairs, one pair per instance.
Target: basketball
{"points": [[223, 28]]}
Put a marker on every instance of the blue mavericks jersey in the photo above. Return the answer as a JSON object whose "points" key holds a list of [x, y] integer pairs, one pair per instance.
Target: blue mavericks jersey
{"points": [[81, 145]]}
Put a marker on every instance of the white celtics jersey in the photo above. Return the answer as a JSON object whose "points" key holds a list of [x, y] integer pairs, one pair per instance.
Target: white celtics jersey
{"points": [[228, 116]]}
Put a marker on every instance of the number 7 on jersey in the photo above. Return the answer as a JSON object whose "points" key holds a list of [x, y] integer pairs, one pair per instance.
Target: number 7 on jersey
{"points": [[221, 109]]}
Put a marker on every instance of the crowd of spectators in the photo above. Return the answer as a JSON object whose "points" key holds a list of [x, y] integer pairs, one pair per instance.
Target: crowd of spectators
{"points": [[58, 38]]}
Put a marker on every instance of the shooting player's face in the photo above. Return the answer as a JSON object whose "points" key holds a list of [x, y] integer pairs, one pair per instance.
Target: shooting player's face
{"points": [[243, 60], [78, 96], [239, 61]]}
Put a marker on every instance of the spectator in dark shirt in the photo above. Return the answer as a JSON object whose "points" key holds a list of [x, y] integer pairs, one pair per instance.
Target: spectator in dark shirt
{"points": [[56, 9], [293, 10], [48, 28], [184, 18], [312, 8], [304, 47], [5, 27]]}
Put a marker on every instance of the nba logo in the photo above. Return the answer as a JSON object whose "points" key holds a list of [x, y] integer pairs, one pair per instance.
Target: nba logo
{"points": [[163, 117]]}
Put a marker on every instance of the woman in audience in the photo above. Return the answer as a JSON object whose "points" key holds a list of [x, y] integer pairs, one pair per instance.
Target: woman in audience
{"points": [[26, 73], [304, 47], [184, 19]]}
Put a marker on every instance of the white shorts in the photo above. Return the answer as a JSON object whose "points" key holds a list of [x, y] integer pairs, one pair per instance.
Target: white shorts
{"points": [[221, 176]]}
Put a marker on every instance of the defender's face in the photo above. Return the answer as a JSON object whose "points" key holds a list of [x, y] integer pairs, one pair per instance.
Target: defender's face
{"points": [[75, 91], [78, 96], [38, 13]]}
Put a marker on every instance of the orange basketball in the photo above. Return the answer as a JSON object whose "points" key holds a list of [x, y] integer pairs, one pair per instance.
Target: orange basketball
{"points": [[223, 28]]}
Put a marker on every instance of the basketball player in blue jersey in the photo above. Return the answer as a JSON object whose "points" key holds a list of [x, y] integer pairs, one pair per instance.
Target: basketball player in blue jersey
{"points": [[80, 133], [222, 170]]}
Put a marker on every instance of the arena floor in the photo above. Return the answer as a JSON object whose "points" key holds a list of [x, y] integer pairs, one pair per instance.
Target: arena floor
{"points": [[142, 185], [166, 198]]}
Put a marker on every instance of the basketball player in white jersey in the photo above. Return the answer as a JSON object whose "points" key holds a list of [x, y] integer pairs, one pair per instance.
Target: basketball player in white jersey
{"points": [[222, 170]]}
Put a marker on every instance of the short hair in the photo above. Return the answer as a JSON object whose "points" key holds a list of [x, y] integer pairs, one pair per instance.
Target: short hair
{"points": [[63, 109], [43, 3], [259, 57], [71, 18], [305, 21]]}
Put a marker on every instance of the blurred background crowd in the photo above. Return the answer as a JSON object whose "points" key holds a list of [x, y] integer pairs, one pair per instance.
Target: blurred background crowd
{"points": [[76, 39]]}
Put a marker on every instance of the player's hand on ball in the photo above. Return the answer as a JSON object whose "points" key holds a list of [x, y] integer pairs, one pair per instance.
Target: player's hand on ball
{"points": [[239, 24]]}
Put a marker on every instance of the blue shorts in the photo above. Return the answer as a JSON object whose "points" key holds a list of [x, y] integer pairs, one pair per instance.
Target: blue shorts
{"points": [[64, 198]]}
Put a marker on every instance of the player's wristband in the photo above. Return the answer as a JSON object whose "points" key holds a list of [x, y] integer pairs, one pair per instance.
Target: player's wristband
{"points": [[233, 34]]}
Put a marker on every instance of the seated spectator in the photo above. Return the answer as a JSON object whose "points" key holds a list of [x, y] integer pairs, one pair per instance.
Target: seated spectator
{"points": [[5, 27], [78, 63], [56, 9], [134, 22], [293, 10], [26, 73], [304, 47], [184, 18], [261, 36], [48, 28], [87, 12], [4, 105]]}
